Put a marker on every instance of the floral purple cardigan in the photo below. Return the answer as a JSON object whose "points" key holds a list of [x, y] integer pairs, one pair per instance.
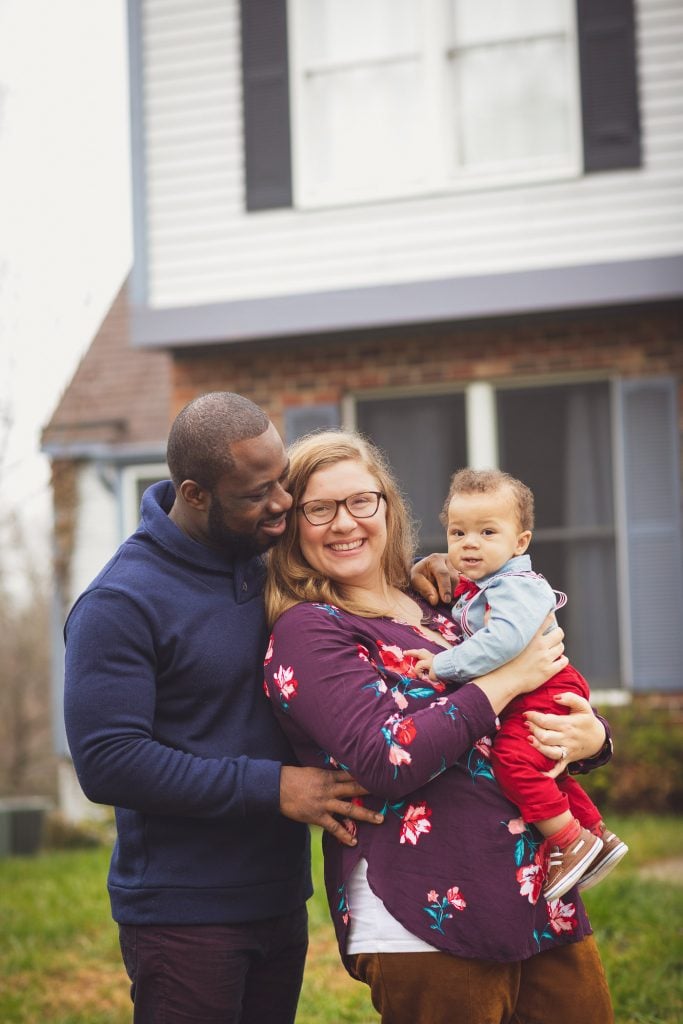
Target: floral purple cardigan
{"points": [[453, 861]]}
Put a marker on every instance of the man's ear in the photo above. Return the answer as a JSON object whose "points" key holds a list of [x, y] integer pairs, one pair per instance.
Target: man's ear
{"points": [[523, 541], [194, 495]]}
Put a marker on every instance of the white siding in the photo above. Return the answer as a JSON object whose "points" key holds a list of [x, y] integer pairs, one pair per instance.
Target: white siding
{"points": [[203, 247], [97, 534]]}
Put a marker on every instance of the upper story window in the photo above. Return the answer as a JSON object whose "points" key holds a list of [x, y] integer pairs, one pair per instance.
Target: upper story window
{"points": [[401, 97]]}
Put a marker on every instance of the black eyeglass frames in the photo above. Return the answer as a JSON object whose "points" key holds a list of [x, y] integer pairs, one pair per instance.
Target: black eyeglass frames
{"points": [[320, 511]]}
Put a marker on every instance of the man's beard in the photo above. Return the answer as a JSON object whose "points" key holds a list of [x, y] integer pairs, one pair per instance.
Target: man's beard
{"points": [[229, 541]]}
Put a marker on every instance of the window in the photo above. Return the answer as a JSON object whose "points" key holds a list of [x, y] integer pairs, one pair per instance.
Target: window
{"points": [[401, 427], [393, 97], [134, 482], [558, 439], [403, 97]]}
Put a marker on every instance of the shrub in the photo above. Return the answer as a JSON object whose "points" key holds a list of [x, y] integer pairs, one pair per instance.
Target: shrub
{"points": [[62, 834], [646, 772]]}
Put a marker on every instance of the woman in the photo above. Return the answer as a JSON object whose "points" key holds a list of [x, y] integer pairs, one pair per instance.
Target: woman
{"points": [[438, 910]]}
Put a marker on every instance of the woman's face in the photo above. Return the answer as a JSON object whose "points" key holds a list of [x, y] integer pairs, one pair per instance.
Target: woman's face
{"points": [[347, 550]]}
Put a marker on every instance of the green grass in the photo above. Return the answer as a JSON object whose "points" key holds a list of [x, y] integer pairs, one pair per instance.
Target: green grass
{"points": [[60, 964]]}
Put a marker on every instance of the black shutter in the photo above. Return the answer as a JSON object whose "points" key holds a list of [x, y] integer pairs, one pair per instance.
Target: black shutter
{"points": [[609, 86], [265, 92]]}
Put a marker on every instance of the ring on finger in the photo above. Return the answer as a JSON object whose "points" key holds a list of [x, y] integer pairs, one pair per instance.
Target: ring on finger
{"points": [[563, 754]]}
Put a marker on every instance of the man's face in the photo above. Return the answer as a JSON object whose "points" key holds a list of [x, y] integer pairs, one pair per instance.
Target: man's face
{"points": [[249, 503]]}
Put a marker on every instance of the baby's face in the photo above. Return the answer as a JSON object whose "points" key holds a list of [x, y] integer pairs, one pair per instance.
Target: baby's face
{"points": [[484, 532]]}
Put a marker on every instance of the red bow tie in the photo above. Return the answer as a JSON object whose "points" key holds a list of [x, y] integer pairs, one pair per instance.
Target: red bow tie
{"points": [[465, 588]]}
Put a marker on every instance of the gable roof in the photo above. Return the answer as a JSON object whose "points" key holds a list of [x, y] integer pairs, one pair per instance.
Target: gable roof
{"points": [[118, 400]]}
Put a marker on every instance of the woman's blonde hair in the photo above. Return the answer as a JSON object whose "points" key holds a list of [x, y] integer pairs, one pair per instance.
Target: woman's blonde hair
{"points": [[291, 579]]}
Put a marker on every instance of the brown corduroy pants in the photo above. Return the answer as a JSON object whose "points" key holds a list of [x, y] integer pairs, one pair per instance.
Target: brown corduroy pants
{"points": [[566, 985]]}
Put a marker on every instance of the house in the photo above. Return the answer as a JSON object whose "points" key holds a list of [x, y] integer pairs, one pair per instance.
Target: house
{"points": [[456, 226], [106, 441]]}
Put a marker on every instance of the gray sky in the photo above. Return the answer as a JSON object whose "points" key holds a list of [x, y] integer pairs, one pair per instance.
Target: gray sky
{"points": [[65, 243]]}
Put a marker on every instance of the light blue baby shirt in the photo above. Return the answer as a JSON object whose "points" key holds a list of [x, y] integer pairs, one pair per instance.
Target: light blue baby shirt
{"points": [[518, 605]]}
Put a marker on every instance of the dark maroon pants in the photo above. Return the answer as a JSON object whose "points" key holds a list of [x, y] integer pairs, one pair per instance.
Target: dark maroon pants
{"points": [[200, 974]]}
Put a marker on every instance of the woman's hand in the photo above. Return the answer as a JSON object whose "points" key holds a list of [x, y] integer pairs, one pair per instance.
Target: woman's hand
{"points": [[434, 578], [539, 661], [566, 738]]}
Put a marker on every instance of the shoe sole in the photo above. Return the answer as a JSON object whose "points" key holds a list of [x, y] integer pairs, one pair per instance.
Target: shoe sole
{"points": [[566, 883], [592, 878]]}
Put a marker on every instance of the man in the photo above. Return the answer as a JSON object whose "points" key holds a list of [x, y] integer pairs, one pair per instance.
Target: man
{"points": [[167, 721]]}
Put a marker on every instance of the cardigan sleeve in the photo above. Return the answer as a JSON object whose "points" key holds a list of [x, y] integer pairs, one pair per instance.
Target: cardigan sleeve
{"points": [[338, 703]]}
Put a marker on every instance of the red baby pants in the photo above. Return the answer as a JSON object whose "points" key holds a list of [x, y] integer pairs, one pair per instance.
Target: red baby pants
{"points": [[519, 766]]}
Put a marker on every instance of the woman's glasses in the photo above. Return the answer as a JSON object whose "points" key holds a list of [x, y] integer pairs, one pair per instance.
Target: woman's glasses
{"points": [[320, 511]]}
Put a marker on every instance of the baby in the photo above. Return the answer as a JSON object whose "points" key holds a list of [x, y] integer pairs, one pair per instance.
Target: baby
{"points": [[500, 603]]}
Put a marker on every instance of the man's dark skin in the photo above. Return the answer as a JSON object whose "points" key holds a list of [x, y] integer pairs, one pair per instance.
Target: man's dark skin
{"points": [[246, 510]]}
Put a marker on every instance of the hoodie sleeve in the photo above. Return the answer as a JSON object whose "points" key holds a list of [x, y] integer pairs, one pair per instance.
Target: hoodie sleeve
{"points": [[109, 710]]}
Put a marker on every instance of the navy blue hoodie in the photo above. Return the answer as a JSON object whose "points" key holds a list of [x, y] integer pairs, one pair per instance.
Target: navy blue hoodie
{"points": [[167, 720]]}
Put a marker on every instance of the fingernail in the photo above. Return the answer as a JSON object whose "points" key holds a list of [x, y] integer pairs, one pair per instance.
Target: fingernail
{"points": [[379, 818]]}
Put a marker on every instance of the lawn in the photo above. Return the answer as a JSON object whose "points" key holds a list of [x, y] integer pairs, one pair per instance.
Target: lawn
{"points": [[59, 959]]}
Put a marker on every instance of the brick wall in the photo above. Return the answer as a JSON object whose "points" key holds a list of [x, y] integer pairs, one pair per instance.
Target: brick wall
{"points": [[290, 372]]}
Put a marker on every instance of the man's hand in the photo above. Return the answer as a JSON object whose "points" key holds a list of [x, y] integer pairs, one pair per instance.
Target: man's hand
{"points": [[434, 578], [314, 795]]}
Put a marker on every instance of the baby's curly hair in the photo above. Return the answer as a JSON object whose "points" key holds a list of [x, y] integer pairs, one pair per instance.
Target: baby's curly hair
{"points": [[486, 481]]}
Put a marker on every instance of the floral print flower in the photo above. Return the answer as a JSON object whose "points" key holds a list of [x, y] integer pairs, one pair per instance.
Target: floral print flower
{"points": [[516, 826], [415, 823], [446, 627], [530, 877], [438, 906], [269, 653], [286, 684], [398, 756], [455, 898], [478, 765], [484, 746], [396, 731], [404, 730], [561, 916], [394, 659], [379, 687], [343, 904], [349, 824]]}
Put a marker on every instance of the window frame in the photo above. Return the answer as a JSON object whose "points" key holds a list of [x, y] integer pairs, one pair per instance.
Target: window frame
{"points": [[129, 479], [440, 172]]}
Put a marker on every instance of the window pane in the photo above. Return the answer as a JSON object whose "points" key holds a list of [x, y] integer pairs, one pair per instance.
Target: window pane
{"points": [[477, 21], [424, 440], [371, 127], [343, 30], [558, 441], [513, 103]]}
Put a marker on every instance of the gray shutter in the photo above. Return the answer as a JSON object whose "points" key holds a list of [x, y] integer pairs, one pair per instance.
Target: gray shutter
{"points": [[302, 419], [265, 97], [609, 86], [652, 517]]}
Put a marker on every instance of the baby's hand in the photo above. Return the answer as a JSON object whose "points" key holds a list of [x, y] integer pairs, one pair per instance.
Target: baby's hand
{"points": [[423, 665]]}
